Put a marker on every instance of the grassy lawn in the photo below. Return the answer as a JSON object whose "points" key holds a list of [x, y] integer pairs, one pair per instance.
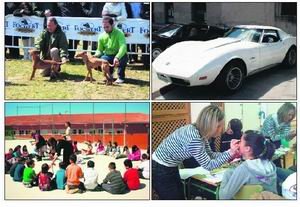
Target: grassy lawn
{"points": [[70, 84]]}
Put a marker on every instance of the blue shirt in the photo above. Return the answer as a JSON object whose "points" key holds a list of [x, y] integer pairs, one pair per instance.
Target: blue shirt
{"points": [[18, 174], [60, 179]]}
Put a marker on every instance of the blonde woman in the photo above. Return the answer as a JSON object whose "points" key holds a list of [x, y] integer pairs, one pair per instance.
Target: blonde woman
{"points": [[190, 141]]}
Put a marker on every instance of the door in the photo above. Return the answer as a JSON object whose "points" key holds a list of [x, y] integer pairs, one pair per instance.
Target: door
{"points": [[271, 48]]}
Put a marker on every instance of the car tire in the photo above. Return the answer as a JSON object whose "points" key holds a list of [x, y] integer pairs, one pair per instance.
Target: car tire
{"points": [[290, 59], [156, 52], [231, 77]]}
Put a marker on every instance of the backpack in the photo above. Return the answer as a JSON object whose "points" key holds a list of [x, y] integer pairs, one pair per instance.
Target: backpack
{"points": [[44, 182]]}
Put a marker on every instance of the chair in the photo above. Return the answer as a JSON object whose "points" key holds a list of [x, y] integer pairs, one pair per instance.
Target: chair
{"points": [[247, 191]]}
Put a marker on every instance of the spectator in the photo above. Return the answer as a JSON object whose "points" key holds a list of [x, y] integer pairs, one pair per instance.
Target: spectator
{"points": [[115, 10]]}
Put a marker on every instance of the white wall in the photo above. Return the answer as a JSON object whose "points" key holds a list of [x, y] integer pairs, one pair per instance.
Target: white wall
{"points": [[196, 109]]}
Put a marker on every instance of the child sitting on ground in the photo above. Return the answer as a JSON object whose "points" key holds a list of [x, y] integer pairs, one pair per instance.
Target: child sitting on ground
{"points": [[73, 174], [113, 182], [89, 148], [124, 154], [100, 148], [60, 176], [135, 154], [25, 152], [17, 151], [143, 168], [91, 177], [29, 176], [115, 150], [108, 148], [131, 176], [45, 178], [257, 169], [18, 171]]}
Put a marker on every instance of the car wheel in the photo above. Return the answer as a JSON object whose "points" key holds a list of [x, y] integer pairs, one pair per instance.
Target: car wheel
{"points": [[156, 52], [231, 77], [290, 59]]}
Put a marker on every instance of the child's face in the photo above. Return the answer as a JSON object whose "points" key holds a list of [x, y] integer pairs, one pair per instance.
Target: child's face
{"points": [[244, 150]]}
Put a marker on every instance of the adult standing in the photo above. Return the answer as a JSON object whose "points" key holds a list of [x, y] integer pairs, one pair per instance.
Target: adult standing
{"points": [[40, 144], [190, 141], [112, 47], [277, 126], [68, 131], [58, 146]]}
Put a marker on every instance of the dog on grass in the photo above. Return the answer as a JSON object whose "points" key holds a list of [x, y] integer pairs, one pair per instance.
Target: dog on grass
{"points": [[94, 63], [38, 63]]}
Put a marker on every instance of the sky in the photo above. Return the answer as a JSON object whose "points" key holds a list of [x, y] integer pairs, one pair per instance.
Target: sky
{"points": [[34, 108]]}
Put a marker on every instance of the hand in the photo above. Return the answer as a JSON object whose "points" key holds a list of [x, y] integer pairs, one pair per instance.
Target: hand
{"points": [[116, 62], [234, 147], [64, 60], [48, 13]]}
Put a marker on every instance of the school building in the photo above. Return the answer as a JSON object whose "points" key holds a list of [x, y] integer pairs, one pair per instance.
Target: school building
{"points": [[228, 14], [125, 129]]}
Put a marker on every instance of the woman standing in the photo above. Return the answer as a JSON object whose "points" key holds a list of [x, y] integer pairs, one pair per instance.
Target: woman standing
{"points": [[68, 131], [277, 126], [190, 141]]}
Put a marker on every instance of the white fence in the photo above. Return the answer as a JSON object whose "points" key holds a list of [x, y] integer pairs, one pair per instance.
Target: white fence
{"points": [[137, 31]]}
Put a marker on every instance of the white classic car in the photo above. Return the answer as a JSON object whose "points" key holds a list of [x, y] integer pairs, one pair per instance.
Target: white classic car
{"points": [[226, 61]]}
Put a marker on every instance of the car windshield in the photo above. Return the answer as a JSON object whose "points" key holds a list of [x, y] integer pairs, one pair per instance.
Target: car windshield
{"points": [[169, 30], [251, 35]]}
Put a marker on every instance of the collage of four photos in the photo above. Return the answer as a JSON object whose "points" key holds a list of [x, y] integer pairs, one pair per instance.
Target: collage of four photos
{"points": [[150, 100]]}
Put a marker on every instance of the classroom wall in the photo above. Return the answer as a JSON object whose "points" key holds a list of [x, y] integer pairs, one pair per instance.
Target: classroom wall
{"points": [[196, 109], [249, 113]]}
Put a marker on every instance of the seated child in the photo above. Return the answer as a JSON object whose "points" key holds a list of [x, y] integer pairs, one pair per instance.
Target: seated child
{"points": [[45, 178], [143, 168], [135, 154], [29, 176], [17, 172], [233, 131], [115, 150], [8, 160], [131, 176], [113, 182], [108, 148], [91, 177], [89, 148], [100, 148], [124, 154], [17, 151], [73, 174], [9, 155], [60, 176], [25, 152], [257, 168]]}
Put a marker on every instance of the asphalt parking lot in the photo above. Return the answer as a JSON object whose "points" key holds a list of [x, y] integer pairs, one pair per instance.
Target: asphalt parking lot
{"points": [[275, 83]]}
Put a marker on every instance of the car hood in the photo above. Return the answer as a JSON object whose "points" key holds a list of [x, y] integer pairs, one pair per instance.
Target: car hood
{"points": [[185, 58]]}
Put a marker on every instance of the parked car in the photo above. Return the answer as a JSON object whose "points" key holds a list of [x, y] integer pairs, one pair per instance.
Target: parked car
{"points": [[173, 33], [226, 61]]}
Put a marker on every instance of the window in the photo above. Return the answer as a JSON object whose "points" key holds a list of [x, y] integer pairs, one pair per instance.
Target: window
{"points": [[21, 132], [92, 131], [109, 131], [169, 10], [28, 132], [80, 131], [119, 131], [270, 36], [100, 131], [289, 9], [198, 12], [74, 131]]}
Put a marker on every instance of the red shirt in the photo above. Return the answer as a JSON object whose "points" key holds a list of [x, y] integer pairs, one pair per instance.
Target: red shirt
{"points": [[131, 178]]}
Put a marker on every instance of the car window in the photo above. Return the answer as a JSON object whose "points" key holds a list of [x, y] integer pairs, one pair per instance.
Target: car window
{"points": [[252, 35], [270, 36]]}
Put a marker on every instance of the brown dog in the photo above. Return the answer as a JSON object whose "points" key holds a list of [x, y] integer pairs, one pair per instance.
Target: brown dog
{"points": [[38, 63], [93, 62]]}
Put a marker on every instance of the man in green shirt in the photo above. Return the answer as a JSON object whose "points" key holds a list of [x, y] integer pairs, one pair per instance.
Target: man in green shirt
{"points": [[112, 47], [53, 44]]}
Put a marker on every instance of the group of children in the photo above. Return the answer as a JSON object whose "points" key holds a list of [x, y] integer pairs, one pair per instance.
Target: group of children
{"points": [[20, 165]]}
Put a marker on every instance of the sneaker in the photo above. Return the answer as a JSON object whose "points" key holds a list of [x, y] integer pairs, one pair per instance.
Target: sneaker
{"points": [[119, 81]]}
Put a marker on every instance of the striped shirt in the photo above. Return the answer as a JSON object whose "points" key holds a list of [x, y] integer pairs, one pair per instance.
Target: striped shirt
{"points": [[185, 143], [115, 180], [271, 128]]}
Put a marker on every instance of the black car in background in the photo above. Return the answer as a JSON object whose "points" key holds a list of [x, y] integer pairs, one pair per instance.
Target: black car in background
{"points": [[173, 33]]}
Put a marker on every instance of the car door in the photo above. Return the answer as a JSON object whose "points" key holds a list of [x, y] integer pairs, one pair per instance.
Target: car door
{"points": [[271, 48]]}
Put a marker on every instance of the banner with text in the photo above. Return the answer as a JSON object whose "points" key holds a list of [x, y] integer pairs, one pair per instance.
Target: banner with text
{"points": [[78, 28]]}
